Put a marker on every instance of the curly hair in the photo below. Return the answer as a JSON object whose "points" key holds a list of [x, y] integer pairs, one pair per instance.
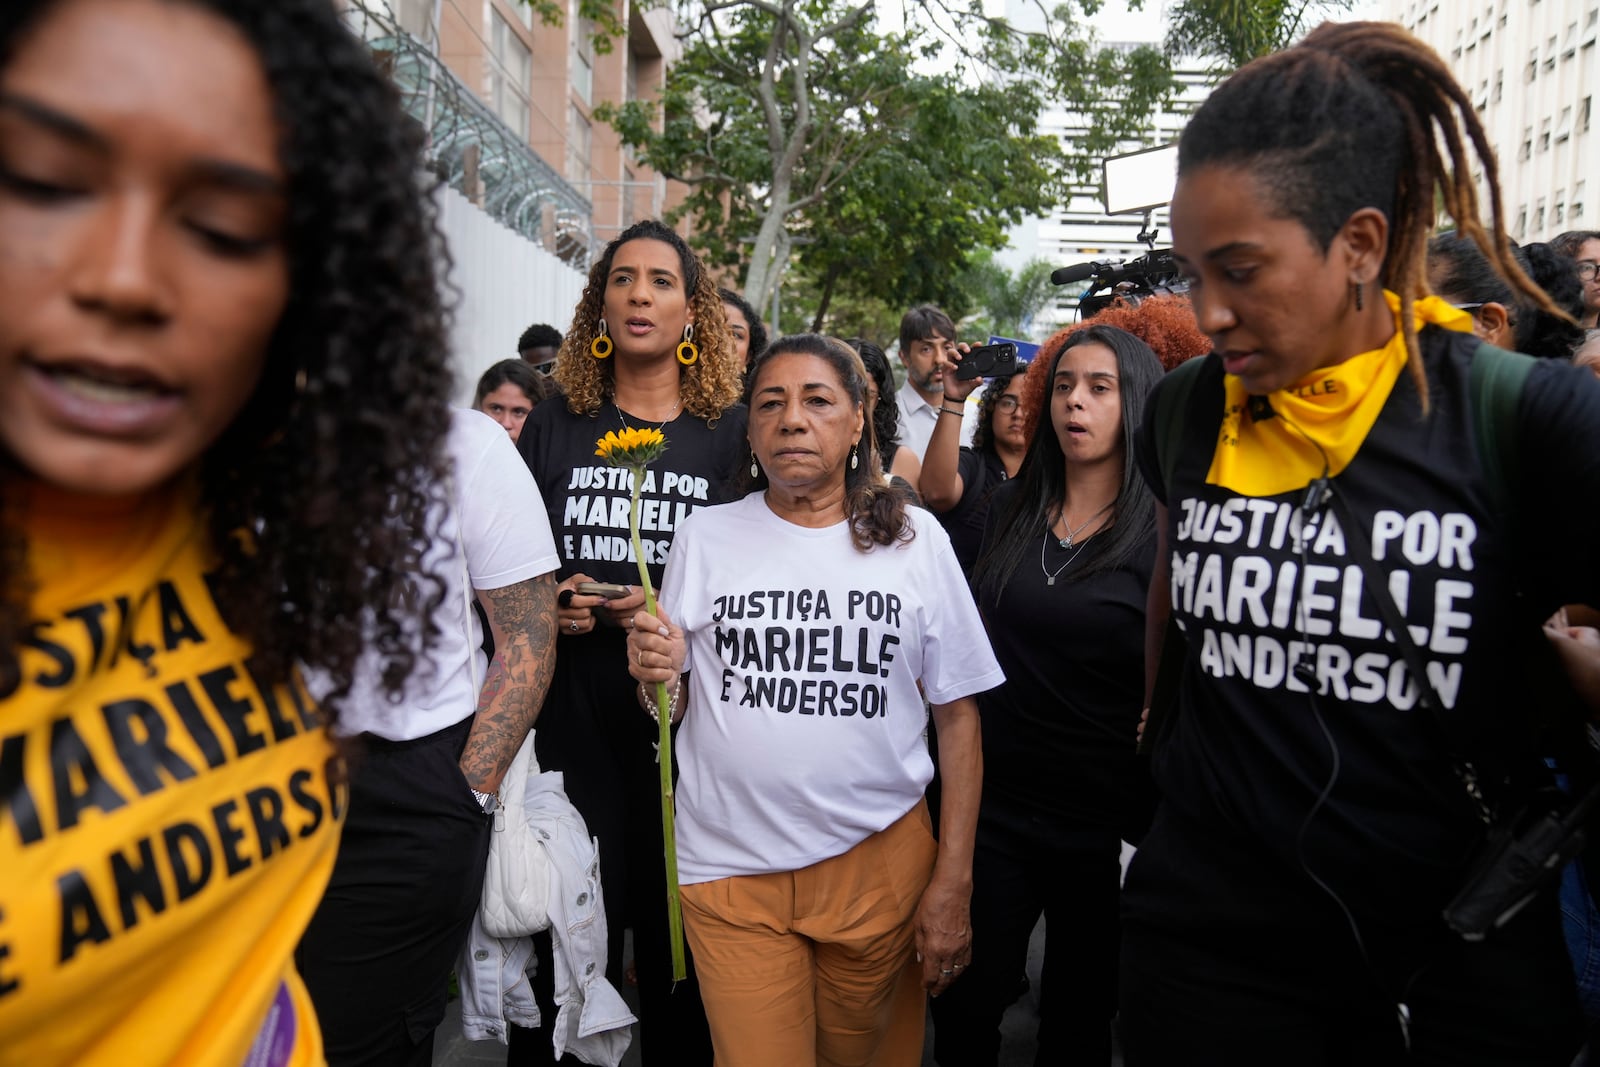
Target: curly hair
{"points": [[539, 335], [1042, 480], [1352, 117], [709, 387], [315, 492], [875, 508], [1166, 323], [983, 435]]}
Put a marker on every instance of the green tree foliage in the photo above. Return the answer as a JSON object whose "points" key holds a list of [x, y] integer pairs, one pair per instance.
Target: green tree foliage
{"points": [[1236, 31], [805, 127], [1008, 301]]}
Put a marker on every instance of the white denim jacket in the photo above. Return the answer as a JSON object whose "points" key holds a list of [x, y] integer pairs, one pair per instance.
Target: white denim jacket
{"points": [[592, 1021]]}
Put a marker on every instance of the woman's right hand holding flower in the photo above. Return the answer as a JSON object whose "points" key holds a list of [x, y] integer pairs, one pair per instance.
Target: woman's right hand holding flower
{"points": [[656, 648], [656, 653]]}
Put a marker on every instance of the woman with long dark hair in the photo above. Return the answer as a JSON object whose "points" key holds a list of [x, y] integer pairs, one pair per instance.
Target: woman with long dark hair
{"points": [[897, 460], [222, 382], [1061, 579], [1350, 453], [648, 347]]}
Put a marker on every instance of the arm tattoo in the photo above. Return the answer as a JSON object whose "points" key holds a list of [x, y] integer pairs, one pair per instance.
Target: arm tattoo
{"points": [[523, 618]]}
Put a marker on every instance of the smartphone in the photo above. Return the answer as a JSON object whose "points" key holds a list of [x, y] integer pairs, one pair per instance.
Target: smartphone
{"points": [[988, 361], [605, 589]]}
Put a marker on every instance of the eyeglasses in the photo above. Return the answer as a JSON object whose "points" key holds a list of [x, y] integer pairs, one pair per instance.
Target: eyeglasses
{"points": [[1469, 307], [1006, 404], [1586, 269]]}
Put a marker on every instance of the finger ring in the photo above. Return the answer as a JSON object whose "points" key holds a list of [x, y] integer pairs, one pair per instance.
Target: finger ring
{"points": [[574, 625], [942, 971], [957, 966], [641, 657]]}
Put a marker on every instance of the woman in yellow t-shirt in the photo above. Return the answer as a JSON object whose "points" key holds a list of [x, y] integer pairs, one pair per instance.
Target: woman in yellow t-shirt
{"points": [[221, 382]]}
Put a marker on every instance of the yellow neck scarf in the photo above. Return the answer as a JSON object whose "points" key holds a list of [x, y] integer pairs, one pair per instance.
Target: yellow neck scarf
{"points": [[1335, 407]]}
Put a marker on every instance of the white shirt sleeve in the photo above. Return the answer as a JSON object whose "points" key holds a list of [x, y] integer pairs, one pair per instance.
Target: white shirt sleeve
{"points": [[504, 525]]}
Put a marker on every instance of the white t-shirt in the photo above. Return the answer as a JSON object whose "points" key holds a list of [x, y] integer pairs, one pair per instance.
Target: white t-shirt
{"points": [[918, 417], [803, 734], [498, 515]]}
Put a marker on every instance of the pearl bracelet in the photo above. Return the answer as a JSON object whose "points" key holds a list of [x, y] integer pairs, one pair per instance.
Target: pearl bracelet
{"points": [[647, 697]]}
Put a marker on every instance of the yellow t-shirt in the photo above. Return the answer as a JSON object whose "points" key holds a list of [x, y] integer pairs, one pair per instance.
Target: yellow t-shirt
{"points": [[166, 827]]}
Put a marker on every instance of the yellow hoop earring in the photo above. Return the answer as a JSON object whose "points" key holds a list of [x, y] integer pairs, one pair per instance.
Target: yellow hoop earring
{"points": [[687, 352], [600, 347]]}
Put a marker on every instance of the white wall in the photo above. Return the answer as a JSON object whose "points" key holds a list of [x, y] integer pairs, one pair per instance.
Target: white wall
{"points": [[504, 283]]}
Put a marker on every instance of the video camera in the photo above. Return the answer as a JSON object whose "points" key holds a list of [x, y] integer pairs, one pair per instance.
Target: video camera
{"points": [[1153, 274]]}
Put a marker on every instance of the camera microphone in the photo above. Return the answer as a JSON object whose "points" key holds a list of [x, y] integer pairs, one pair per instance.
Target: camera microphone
{"points": [[1083, 271]]}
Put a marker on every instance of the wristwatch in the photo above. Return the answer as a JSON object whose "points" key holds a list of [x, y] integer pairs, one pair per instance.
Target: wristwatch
{"points": [[490, 802]]}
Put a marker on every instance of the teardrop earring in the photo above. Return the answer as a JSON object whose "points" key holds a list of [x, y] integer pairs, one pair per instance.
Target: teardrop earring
{"points": [[755, 468]]}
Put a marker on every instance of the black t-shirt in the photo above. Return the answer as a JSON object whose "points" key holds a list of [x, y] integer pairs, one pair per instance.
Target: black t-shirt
{"points": [[1059, 735], [1247, 753], [981, 473], [591, 725], [588, 499]]}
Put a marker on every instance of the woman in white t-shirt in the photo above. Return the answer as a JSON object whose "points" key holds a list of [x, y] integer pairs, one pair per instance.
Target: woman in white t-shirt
{"points": [[795, 626]]}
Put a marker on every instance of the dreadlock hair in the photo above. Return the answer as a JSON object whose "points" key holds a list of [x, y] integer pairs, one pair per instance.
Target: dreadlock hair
{"points": [[709, 387], [1352, 117], [875, 509], [316, 493], [1042, 479], [1459, 272]]}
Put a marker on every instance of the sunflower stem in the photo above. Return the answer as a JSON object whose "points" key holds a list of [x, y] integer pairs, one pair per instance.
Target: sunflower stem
{"points": [[664, 759]]}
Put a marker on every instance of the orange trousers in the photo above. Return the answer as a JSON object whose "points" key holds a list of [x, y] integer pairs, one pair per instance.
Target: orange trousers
{"points": [[817, 967]]}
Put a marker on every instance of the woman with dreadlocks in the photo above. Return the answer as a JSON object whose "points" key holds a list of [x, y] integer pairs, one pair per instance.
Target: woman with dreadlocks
{"points": [[1325, 469], [222, 364], [648, 348]]}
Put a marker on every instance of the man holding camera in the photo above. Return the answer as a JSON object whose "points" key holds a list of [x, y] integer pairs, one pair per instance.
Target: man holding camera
{"points": [[927, 337]]}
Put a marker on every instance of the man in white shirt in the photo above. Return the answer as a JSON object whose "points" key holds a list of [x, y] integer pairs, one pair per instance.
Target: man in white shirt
{"points": [[927, 337], [425, 770]]}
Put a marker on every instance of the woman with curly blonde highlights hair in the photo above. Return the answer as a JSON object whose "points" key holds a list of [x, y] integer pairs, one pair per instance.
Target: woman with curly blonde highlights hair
{"points": [[649, 347], [709, 386]]}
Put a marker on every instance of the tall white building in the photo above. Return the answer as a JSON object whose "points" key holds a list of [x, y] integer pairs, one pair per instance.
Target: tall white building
{"points": [[1080, 230], [1531, 70]]}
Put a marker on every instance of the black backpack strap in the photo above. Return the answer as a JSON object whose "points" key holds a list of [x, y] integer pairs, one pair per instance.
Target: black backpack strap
{"points": [[1168, 415], [1494, 387]]}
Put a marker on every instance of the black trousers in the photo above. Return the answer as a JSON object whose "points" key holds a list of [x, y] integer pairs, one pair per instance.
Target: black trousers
{"points": [[592, 729], [1027, 863], [1230, 956], [378, 954]]}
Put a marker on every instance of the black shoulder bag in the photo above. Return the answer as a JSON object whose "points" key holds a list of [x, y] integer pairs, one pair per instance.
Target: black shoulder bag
{"points": [[1523, 849]]}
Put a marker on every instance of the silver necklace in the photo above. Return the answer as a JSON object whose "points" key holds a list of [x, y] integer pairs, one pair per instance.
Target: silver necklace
{"points": [[1050, 579], [1066, 542], [670, 415]]}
